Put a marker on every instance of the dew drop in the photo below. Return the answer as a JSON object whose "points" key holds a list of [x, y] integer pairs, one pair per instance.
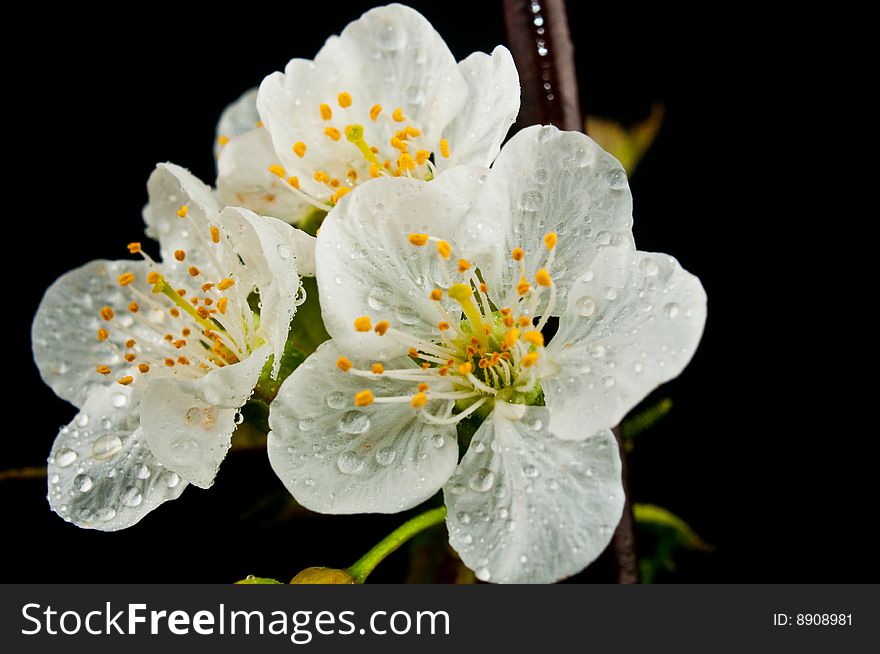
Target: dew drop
{"points": [[349, 463], [608, 381], [536, 424], [483, 573], [119, 400], [542, 176], [585, 306], [611, 293], [597, 351], [616, 179], [406, 315], [82, 420], [106, 447], [309, 482], [143, 472], [64, 457], [530, 471], [638, 367], [457, 488], [649, 267], [106, 514], [337, 400], [478, 447], [306, 424], [437, 440], [172, 479], [132, 497], [671, 310], [354, 422], [284, 251], [385, 456], [467, 539], [83, 483], [531, 200], [482, 480], [463, 517], [389, 36]]}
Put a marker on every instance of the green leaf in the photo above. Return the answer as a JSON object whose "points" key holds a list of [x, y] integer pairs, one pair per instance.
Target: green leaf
{"points": [[660, 534], [641, 421], [627, 144], [250, 579]]}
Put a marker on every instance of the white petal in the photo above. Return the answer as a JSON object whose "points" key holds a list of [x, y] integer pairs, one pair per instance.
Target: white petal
{"points": [[101, 472], [237, 118], [188, 424], [366, 266], [244, 179], [632, 322], [546, 180], [64, 332], [476, 134], [336, 458], [527, 507], [268, 249], [171, 187]]}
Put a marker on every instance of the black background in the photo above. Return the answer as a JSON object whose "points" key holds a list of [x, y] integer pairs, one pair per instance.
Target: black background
{"points": [[96, 100]]}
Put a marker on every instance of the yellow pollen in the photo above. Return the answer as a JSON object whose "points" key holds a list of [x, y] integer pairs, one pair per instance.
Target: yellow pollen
{"points": [[154, 278], [444, 148], [192, 270], [299, 148], [511, 337], [375, 110], [215, 234], [103, 334], [180, 255], [364, 398], [374, 171], [405, 162], [103, 370], [525, 321], [423, 387], [186, 331], [225, 283], [134, 248], [444, 249], [144, 367], [168, 337], [362, 324], [381, 327], [326, 111], [194, 300], [466, 368], [222, 140], [419, 400], [523, 287], [413, 352], [183, 361], [484, 287], [130, 357], [169, 362], [107, 313], [344, 99], [343, 364], [125, 381], [534, 337], [398, 115], [517, 254], [293, 180], [333, 133], [278, 171], [463, 265], [397, 144], [221, 305], [542, 277], [436, 295], [321, 176], [334, 183], [377, 368], [550, 239], [183, 211], [422, 157], [418, 239], [443, 370], [412, 132], [130, 343], [443, 326], [179, 343], [133, 307], [509, 321], [505, 311], [352, 174], [204, 314], [125, 279], [529, 360]]}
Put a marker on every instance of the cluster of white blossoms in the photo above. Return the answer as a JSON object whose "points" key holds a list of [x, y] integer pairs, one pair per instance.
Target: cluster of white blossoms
{"points": [[491, 319]]}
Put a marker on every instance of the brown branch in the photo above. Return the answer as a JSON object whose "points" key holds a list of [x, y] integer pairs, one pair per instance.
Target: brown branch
{"points": [[538, 36]]}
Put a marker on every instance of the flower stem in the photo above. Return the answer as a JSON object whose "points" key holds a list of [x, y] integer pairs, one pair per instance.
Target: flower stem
{"points": [[368, 562]]}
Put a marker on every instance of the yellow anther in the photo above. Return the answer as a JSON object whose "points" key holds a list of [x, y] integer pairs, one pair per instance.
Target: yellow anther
{"points": [[333, 133], [436, 295], [168, 337], [375, 110], [405, 162], [423, 387], [215, 233], [340, 194], [419, 400], [364, 398], [300, 149], [183, 361], [377, 368], [154, 277], [443, 326], [133, 307], [398, 115], [534, 337], [529, 360], [374, 171], [523, 287], [466, 368], [381, 327], [344, 99], [169, 362], [130, 343], [321, 176], [443, 370], [352, 174], [183, 211], [422, 157], [484, 287], [517, 254], [387, 165], [525, 321], [125, 381], [134, 248], [225, 283], [179, 343], [278, 170], [208, 301], [144, 367], [334, 183], [186, 331], [444, 249], [463, 265], [293, 180], [444, 148], [203, 313], [180, 255], [326, 111], [505, 311], [542, 277], [107, 313], [192, 270], [125, 279], [129, 357], [418, 239], [509, 321], [550, 239], [222, 140], [511, 337], [412, 132], [363, 324], [343, 364], [413, 352], [103, 370], [397, 144]]}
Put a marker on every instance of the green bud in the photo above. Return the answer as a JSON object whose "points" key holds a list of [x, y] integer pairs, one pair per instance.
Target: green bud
{"points": [[323, 576]]}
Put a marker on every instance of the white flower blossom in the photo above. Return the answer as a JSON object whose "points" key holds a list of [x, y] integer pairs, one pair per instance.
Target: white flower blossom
{"points": [[386, 97], [160, 356], [438, 298]]}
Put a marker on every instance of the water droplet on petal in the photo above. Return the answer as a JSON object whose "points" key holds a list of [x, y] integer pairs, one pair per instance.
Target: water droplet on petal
{"points": [[437, 440], [106, 447], [337, 400], [106, 514], [385, 456], [171, 479], [483, 573], [64, 457], [616, 179], [536, 424], [306, 424], [671, 310], [531, 200], [378, 297], [585, 306], [349, 463], [143, 472], [530, 471], [648, 266], [284, 251], [82, 420], [407, 315], [478, 447], [132, 497], [611, 293], [463, 517], [119, 400], [354, 422], [482, 480], [597, 351], [83, 483], [390, 36]]}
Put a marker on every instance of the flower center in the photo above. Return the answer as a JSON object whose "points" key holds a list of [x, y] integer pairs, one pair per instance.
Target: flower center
{"points": [[400, 151], [487, 341], [204, 324]]}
